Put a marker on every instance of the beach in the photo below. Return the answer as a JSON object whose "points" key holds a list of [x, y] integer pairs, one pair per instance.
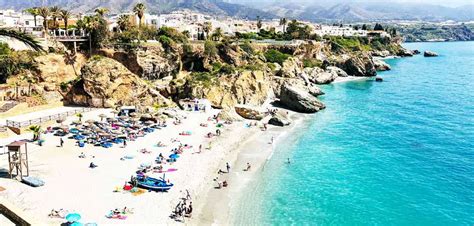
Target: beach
{"points": [[71, 185]]}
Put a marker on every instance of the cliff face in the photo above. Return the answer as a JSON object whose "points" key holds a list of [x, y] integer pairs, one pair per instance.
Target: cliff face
{"points": [[246, 87], [232, 75], [107, 83]]}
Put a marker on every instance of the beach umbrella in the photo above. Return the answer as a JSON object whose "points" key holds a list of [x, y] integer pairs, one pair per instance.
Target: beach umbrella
{"points": [[76, 224], [73, 217], [102, 116], [115, 112], [90, 121]]}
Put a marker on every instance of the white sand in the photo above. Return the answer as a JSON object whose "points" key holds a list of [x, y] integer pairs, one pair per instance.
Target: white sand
{"points": [[71, 185]]}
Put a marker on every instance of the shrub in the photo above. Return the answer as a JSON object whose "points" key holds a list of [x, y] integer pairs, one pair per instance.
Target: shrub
{"points": [[246, 47], [275, 56], [227, 69], [166, 41], [210, 49], [312, 63], [172, 33]]}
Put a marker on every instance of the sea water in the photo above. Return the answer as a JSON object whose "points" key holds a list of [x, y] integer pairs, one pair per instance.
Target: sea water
{"points": [[398, 152]]}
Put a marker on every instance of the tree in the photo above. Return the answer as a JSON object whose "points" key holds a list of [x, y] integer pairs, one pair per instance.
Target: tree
{"points": [[55, 13], [210, 49], [139, 10], [124, 22], [364, 27], [36, 129], [283, 22], [378, 27], [65, 15], [101, 11], [97, 28], [187, 33], [79, 116], [33, 11], [70, 59], [23, 37], [217, 34], [259, 23], [207, 27], [44, 12]]}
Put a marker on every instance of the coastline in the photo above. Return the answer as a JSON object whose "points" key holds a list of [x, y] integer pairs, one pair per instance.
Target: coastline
{"points": [[216, 205]]}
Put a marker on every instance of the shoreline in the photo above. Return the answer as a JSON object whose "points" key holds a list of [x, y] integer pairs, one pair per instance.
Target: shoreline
{"points": [[216, 204]]}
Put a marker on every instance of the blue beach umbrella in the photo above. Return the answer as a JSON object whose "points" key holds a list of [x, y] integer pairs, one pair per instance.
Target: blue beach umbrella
{"points": [[73, 217], [76, 224]]}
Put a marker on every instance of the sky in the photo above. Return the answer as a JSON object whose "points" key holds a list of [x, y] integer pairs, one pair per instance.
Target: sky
{"points": [[449, 3]]}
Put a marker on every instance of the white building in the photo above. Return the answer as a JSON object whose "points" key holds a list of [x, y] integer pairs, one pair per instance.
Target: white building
{"points": [[323, 30]]}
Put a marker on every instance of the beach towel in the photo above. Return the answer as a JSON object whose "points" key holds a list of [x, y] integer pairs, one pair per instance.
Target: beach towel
{"points": [[32, 181]]}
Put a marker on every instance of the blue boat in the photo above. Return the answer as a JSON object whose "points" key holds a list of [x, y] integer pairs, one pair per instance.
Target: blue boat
{"points": [[154, 184]]}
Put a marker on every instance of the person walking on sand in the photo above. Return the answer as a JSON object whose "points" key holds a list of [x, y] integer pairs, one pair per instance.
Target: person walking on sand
{"points": [[124, 143], [248, 167], [228, 167], [61, 141]]}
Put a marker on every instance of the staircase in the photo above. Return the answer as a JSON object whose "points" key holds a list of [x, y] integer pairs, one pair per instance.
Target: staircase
{"points": [[7, 106]]}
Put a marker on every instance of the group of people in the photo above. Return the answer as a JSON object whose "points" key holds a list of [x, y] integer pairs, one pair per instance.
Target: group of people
{"points": [[183, 208]]}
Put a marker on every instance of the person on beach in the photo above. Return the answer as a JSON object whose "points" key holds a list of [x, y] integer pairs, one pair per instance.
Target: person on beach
{"points": [[288, 161], [124, 143], [248, 167], [218, 132], [228, 167], [271, 141], [220, 172], [61, 142], [92, 165]]}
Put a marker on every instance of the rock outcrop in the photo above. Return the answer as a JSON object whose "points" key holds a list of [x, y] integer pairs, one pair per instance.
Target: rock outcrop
{"points": [[279, 118], [53, 69], [245, 87], [319, 76], [338, 71], [382, 53], [309, 87], [405, 53], [107, 83], [358, 65], [299, 100], [430, 54], [249, 112], [291, 68], [381, 65], [157, 63]]}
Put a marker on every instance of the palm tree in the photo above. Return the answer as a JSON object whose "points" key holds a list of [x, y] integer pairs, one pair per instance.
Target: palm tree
{"points": [[207, 27], [259, 23], [33, 11], [23, 37], [101, 11], [36, 129], [283, 22], [124, 22], [139, 10], [44, 12], [217, 34], [79, 115], [65, 15], [55, 13], [70, 59]]}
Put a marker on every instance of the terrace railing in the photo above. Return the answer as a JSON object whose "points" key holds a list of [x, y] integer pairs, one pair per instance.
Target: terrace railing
{"points": [[37, 121]]}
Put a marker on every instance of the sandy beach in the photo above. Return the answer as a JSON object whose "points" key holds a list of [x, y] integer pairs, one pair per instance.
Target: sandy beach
{"points": [[73, 186]]}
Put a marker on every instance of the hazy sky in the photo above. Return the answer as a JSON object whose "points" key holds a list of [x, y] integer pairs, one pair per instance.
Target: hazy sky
{"points": [[452, 3]]}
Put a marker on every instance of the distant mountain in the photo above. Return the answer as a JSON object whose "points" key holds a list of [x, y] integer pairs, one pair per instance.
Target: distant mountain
{"points": [[350, 12], [215, 7]]}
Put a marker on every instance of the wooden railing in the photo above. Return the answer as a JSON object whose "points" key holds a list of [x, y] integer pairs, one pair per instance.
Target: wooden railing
{"points": [[37, 121]]}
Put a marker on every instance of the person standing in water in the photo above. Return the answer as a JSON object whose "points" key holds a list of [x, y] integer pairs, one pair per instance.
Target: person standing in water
{"points": [[288, 161]]}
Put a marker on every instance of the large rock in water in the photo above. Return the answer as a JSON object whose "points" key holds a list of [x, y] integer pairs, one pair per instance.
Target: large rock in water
{"points": [[299, 100], [430, 54], [307, 86], [358, 65], [249, 112], [405, 53], [380, 65], [107, 83]]}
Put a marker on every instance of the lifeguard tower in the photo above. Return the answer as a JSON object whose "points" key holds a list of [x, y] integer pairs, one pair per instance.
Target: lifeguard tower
{"points": [[18, 159]]}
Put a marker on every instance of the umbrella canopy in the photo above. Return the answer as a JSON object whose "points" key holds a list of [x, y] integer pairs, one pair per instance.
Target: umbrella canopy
{"points": [[90, 121], [102, 116], [73, 217], [76, 224]]}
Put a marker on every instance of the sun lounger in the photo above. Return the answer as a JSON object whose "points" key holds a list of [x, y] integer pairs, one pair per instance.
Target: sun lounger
{"points": [[32, 181]]}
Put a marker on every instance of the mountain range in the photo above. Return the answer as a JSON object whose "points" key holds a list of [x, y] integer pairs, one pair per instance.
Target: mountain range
{"points": [[297, 9]]}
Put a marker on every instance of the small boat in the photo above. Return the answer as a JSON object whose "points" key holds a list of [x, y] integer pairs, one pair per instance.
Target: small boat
{"points": [[154, 184]]}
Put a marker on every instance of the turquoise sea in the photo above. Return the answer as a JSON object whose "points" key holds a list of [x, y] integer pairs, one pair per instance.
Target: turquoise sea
{"points": [[400, 152]]}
